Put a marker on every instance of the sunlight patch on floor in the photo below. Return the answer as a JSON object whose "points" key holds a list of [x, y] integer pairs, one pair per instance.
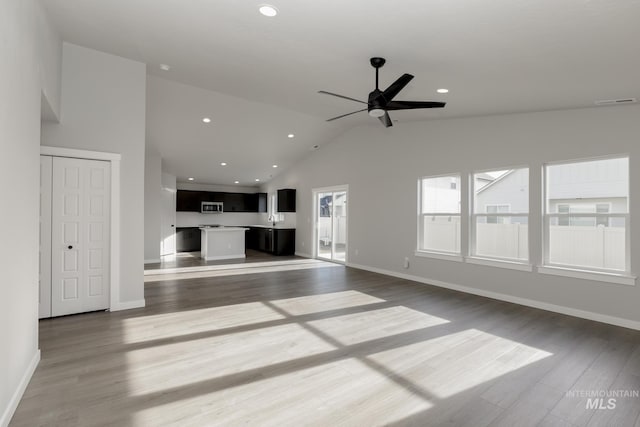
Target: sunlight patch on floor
{"points": [[375, 324], [179, 323], [316, 396], [452, 364], [218, 359], [325, 302]]}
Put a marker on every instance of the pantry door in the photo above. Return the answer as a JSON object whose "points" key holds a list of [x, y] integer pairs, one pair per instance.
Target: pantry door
{"points": [[80, 222]]}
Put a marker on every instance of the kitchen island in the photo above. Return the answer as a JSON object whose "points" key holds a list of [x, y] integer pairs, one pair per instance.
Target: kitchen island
{"points": [[222, 243]]}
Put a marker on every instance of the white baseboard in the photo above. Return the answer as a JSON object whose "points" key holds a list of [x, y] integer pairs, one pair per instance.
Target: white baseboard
{"points": [[152, 261], [603, 318], [128, 305], [22, 386], [302, 254]]}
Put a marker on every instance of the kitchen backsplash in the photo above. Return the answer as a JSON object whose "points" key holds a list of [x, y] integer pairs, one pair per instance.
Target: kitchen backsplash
{"points": [[194, 219]]}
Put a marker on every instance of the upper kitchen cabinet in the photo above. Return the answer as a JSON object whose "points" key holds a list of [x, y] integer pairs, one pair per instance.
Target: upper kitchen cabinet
{"points": [[287, 200], [190, 201], [233, 202], [252, 202]]}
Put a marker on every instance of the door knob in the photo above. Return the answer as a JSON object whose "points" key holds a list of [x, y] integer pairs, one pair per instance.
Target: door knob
{"points": [[69, 247]]}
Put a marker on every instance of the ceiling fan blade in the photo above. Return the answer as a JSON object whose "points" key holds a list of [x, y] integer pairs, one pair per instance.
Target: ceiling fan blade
{"points": [[410, 105], [386, 120], [341, 96], [396, 87], [348, 114]]}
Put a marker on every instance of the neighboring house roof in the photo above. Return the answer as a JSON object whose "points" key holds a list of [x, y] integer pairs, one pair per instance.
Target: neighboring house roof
{"points": [[484, 176], [498, 179]]}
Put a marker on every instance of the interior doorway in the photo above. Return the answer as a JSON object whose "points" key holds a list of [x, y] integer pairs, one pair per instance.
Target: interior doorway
{"points": [[331, 223], [79, 231], [167, 222], [75, 219]]}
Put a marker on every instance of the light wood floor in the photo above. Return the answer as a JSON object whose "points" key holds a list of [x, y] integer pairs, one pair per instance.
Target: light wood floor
{"points": [[329, 346], [192, 259]]}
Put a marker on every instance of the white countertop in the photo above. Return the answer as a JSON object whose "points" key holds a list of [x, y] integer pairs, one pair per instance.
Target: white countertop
{"points": [[279, 227], [220, 229]]}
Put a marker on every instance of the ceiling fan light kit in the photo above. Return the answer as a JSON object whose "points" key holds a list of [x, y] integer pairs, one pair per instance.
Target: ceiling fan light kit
{"points": [[381, 102]]}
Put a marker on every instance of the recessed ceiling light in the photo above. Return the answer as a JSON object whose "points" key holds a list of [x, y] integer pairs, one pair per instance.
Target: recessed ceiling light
{"points": [[236, 182], [190, 179], [164, 67], [223, 164], [206, 120], [268, 10], [257, 179], [290, 135], [275, 166], [443, 90]]}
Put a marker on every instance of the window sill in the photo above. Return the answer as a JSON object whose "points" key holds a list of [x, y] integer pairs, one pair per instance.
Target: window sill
{"points": [[513, 265], [439, 255], [620, 279]]}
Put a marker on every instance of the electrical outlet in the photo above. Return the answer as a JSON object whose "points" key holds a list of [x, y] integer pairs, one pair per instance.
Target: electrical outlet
{"points": [[406, 262]]}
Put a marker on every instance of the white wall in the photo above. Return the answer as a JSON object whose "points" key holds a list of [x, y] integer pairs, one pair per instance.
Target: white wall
{"points": [[384, 164], [152, 204], [103, 109], [50, 55], [168, 181], [24, 66]]}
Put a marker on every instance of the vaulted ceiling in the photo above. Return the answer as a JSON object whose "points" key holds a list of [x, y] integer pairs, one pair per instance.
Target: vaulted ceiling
{"points": [[258, 77]]}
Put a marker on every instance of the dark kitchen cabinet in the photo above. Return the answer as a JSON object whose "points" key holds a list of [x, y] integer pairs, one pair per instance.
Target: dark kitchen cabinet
{"points": [[265, 240], [251, 238], [251, 202], [190, 201], [284, 241], [214, 196], [188, 239], [287, 200], [233, 202], [276, 241]]}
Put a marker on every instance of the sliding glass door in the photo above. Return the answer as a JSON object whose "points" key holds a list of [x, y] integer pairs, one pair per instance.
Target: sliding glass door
{"points": [[331, 224]]}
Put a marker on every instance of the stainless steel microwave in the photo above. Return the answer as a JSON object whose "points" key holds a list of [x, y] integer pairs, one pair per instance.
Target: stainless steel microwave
{"points": [[211, 207]]}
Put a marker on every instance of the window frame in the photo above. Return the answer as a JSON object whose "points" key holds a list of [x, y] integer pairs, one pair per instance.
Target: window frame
{"points": [[439, 254], [548, 267], [473, 216]]}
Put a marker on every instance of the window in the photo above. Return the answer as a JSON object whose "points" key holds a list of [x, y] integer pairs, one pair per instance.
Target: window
{"points": [[500, 215], [439, 217], [587, 215], [274, 216]]}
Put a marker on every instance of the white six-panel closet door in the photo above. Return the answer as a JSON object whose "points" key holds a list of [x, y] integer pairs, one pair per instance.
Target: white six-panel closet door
{"points": [[79, 236]]}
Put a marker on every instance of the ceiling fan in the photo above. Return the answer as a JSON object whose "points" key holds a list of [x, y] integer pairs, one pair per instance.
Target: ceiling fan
{"points": [[381, 102]]}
